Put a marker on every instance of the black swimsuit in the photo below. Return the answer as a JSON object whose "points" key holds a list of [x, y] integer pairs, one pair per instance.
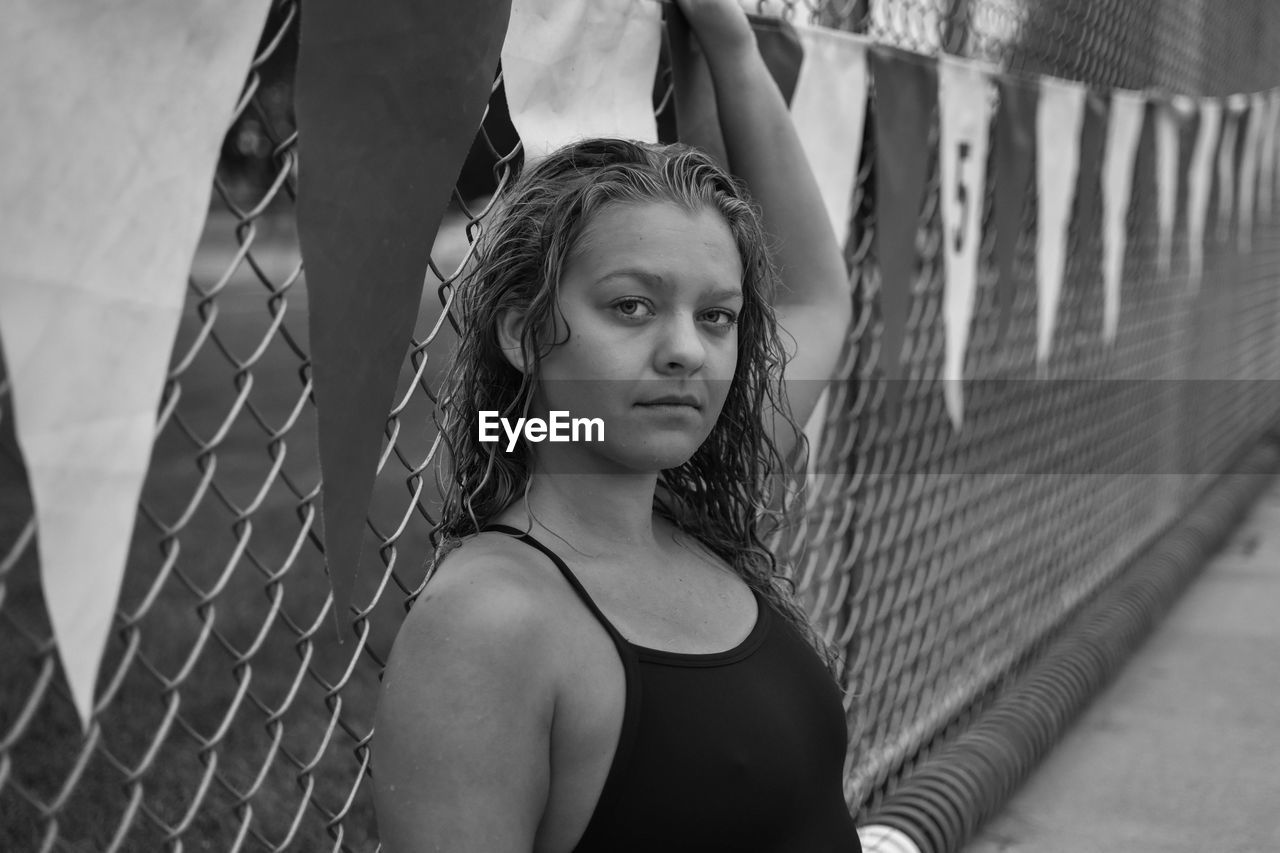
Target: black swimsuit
{"points": [[741, 750]]}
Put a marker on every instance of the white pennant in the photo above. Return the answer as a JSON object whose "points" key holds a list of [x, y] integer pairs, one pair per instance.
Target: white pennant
{"points": [[1123, 132], [1249, 171], [1168, 118], [1227, 164], [117, 112], [1059, 120], [1199, 180], [964, 120], [1267, 157], [829, 109], [575, 69]]}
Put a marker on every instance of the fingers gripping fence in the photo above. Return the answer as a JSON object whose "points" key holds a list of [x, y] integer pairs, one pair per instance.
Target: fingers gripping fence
{"points": [[944, 564]]}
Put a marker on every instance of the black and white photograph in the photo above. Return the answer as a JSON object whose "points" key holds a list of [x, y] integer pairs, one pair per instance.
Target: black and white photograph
{"points": [[640, 426]]}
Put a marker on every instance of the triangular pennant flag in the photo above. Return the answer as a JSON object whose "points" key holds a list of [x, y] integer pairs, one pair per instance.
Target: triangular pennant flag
{"points": [[1015, 140], [1249, 171], [575, 69], [1267, 156], [906, 90], [1199, 180], [1123, 133], [964, 117], [782, 51], [389, 97], [116, 116], [1169, 115], [829, 110], [1059, 120], [1235, 105]]}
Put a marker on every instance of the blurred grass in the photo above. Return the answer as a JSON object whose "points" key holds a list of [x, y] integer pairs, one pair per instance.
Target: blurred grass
{"points": [[222, 726]]}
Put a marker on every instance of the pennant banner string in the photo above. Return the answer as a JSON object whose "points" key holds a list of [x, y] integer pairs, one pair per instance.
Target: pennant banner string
{"points": [[572, 69]]}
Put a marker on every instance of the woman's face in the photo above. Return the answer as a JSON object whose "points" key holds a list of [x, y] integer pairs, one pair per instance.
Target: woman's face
{"points": [[651, 295]]}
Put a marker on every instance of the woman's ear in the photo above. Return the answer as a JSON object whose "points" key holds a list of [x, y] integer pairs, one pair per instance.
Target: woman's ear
{"points": [[510, 333]]}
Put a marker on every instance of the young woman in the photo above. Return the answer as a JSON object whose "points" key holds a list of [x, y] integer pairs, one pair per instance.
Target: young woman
{"points": [[605, 657]]}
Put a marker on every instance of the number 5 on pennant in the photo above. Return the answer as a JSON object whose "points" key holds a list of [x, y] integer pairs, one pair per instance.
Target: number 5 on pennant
{"points": [[964, 101]]}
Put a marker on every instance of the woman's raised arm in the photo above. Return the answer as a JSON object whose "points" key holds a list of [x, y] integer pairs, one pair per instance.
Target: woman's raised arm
{"points": [[814, 306]]}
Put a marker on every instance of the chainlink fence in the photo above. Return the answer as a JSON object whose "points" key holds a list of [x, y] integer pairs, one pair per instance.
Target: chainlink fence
{"points": [[231, 716]]}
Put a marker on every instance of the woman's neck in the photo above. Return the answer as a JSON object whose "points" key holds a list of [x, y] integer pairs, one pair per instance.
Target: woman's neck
{"points": [[598, 514]]}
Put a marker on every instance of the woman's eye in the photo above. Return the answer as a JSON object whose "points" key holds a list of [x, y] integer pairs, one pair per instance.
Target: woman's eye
{"points": [[721, 318], [631, 308]]}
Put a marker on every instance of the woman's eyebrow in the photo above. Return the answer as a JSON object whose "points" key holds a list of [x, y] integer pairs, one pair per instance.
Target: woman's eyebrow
{"points": [[656, 281], [649, 278], [725, 294]]}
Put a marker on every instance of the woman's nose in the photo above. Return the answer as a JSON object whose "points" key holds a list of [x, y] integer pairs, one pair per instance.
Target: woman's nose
{"points": [[681, 347]]}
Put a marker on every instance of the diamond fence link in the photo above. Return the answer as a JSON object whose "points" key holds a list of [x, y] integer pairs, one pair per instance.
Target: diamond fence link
{"points": [[230, 717]]}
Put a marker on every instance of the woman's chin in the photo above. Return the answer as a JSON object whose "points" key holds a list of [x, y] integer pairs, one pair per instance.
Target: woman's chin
{"points": [[648, 460], [652, 463], [663, 462]]}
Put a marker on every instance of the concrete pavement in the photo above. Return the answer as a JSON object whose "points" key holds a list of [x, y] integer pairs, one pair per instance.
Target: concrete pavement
{"points": [[1181, 754]]}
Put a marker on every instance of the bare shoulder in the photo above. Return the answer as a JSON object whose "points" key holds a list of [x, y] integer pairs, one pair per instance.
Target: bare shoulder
{"points": [[487, 597], [462, 733]]}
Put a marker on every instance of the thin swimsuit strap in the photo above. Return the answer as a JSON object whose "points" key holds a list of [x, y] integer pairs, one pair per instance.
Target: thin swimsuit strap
{"points": [[629, 728], [526, 538]]}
